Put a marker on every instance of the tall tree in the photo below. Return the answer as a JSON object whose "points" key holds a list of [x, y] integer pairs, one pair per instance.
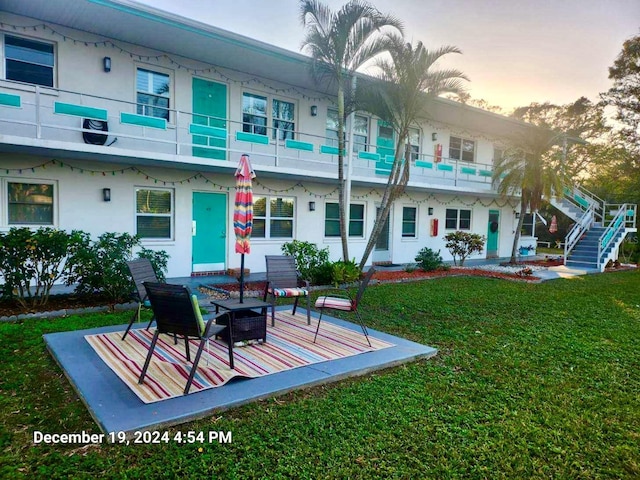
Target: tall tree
{"points": [[618, 178], [339, 43], [625, 93], [531, 169], [407, 82], [581, 119]]}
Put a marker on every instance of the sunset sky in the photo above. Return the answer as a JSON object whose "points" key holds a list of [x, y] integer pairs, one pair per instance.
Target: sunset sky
{"points": [[514, 51]]}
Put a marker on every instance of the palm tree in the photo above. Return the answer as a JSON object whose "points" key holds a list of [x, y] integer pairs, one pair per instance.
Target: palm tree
{"points": [[339, 43], [532, 168], [407, 83]]}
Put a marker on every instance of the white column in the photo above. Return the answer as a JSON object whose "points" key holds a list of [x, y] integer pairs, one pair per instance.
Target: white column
{"points": [[349, 147]]}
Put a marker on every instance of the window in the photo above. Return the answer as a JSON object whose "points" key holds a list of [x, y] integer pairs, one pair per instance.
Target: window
{"points": [[457, 219], [153, 92], [28, 61], [154, 213], [255, 118], [273, 217], [30, 203], [332, 220], [254, 114], [331, 131], [497, 154], [414, 143], [527, 225], [409, 222], [462, 149], [283, 119], [360, 133]]}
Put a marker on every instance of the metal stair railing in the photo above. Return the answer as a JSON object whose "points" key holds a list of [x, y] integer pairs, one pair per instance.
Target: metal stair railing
{"points": [[576, 232], [583, 199], [625, 218]]}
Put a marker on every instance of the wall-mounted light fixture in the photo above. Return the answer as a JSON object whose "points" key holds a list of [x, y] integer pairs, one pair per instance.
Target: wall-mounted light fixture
{"points": [[430, 210], [516, 214], [434, 136], [106, 194], [106, 64], [312, 206], [314, 110]]}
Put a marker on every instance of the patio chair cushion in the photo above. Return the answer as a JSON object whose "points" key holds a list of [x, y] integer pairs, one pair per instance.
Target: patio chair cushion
{"points": [[196, 310], [289, 292], [336, 303]]}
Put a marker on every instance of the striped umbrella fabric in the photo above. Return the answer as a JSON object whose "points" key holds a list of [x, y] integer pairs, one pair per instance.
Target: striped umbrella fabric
{"points": [[553, 228], [243, 211]]}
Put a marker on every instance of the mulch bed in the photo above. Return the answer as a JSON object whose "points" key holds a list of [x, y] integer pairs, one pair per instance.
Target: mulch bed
{"points": [[55, 302], [419, 274]]}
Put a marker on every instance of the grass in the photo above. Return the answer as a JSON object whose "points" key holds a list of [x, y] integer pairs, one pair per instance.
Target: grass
{"points": [[531, 381], [549, 251]]}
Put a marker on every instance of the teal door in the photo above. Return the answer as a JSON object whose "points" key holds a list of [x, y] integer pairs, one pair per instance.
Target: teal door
{"points": [[209, 126], [385, 147], [492, 233], [209, 232]]}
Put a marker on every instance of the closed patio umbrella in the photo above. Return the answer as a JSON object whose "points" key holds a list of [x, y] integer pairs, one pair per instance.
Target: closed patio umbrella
{"points": [[553, 228], [243, 213]]}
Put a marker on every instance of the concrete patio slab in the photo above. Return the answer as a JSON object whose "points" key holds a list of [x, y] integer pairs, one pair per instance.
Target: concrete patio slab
{"points": [[115, 408], [562, 271]]}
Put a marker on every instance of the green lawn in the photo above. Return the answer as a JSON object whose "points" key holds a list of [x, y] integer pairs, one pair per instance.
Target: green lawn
{"points": [[531, 381]]}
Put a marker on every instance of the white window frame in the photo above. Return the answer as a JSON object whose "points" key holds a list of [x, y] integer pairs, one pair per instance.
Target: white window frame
{"points": [[268, 217], [34, 181], [462, 150], [35, 40], [415, 147], [170, 215], [158, 71], [458, 218], [415, 223], [357, 135], [359, 220], [331, 134], [271, 120]]}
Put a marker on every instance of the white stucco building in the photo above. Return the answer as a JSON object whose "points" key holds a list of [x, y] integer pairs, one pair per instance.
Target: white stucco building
{"points": [[118, 117]]}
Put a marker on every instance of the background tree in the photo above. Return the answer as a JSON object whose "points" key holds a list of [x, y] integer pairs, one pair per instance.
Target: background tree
{"points": [[532, 169], [407, 83], [581, 119], [339, 43], [625, 93], [617, 177]]}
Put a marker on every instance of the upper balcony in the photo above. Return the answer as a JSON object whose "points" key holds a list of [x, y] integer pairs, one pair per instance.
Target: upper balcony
{"points": [[65, 124]]}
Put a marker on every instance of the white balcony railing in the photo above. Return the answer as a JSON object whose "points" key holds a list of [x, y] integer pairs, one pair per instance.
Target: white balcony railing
{"points": [[41, 115]]}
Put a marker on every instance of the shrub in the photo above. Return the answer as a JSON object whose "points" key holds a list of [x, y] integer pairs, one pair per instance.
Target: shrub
{"points": [[102, 266], [32, 261], [312, 263], [428, 260], [345, 272], [630, 249], [410, 267], [463, 244]]}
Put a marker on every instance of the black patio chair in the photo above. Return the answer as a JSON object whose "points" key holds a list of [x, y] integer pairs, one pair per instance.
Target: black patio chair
{"points": [[346, 303], [141, 271], [282, 282], [177, 313]]}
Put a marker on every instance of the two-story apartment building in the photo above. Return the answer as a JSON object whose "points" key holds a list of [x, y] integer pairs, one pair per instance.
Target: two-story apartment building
{"points": [[115, 116]]}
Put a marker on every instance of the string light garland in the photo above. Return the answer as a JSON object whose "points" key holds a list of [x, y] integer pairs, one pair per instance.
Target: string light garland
{"points": [[199, 176], [290, 90]]}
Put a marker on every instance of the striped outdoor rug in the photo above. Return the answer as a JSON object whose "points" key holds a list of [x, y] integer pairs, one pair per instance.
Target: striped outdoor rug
{"points": [[289, 345]]}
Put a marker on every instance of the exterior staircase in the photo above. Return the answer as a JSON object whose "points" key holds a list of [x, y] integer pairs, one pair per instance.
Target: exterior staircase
{"points": [[599, 228]]}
